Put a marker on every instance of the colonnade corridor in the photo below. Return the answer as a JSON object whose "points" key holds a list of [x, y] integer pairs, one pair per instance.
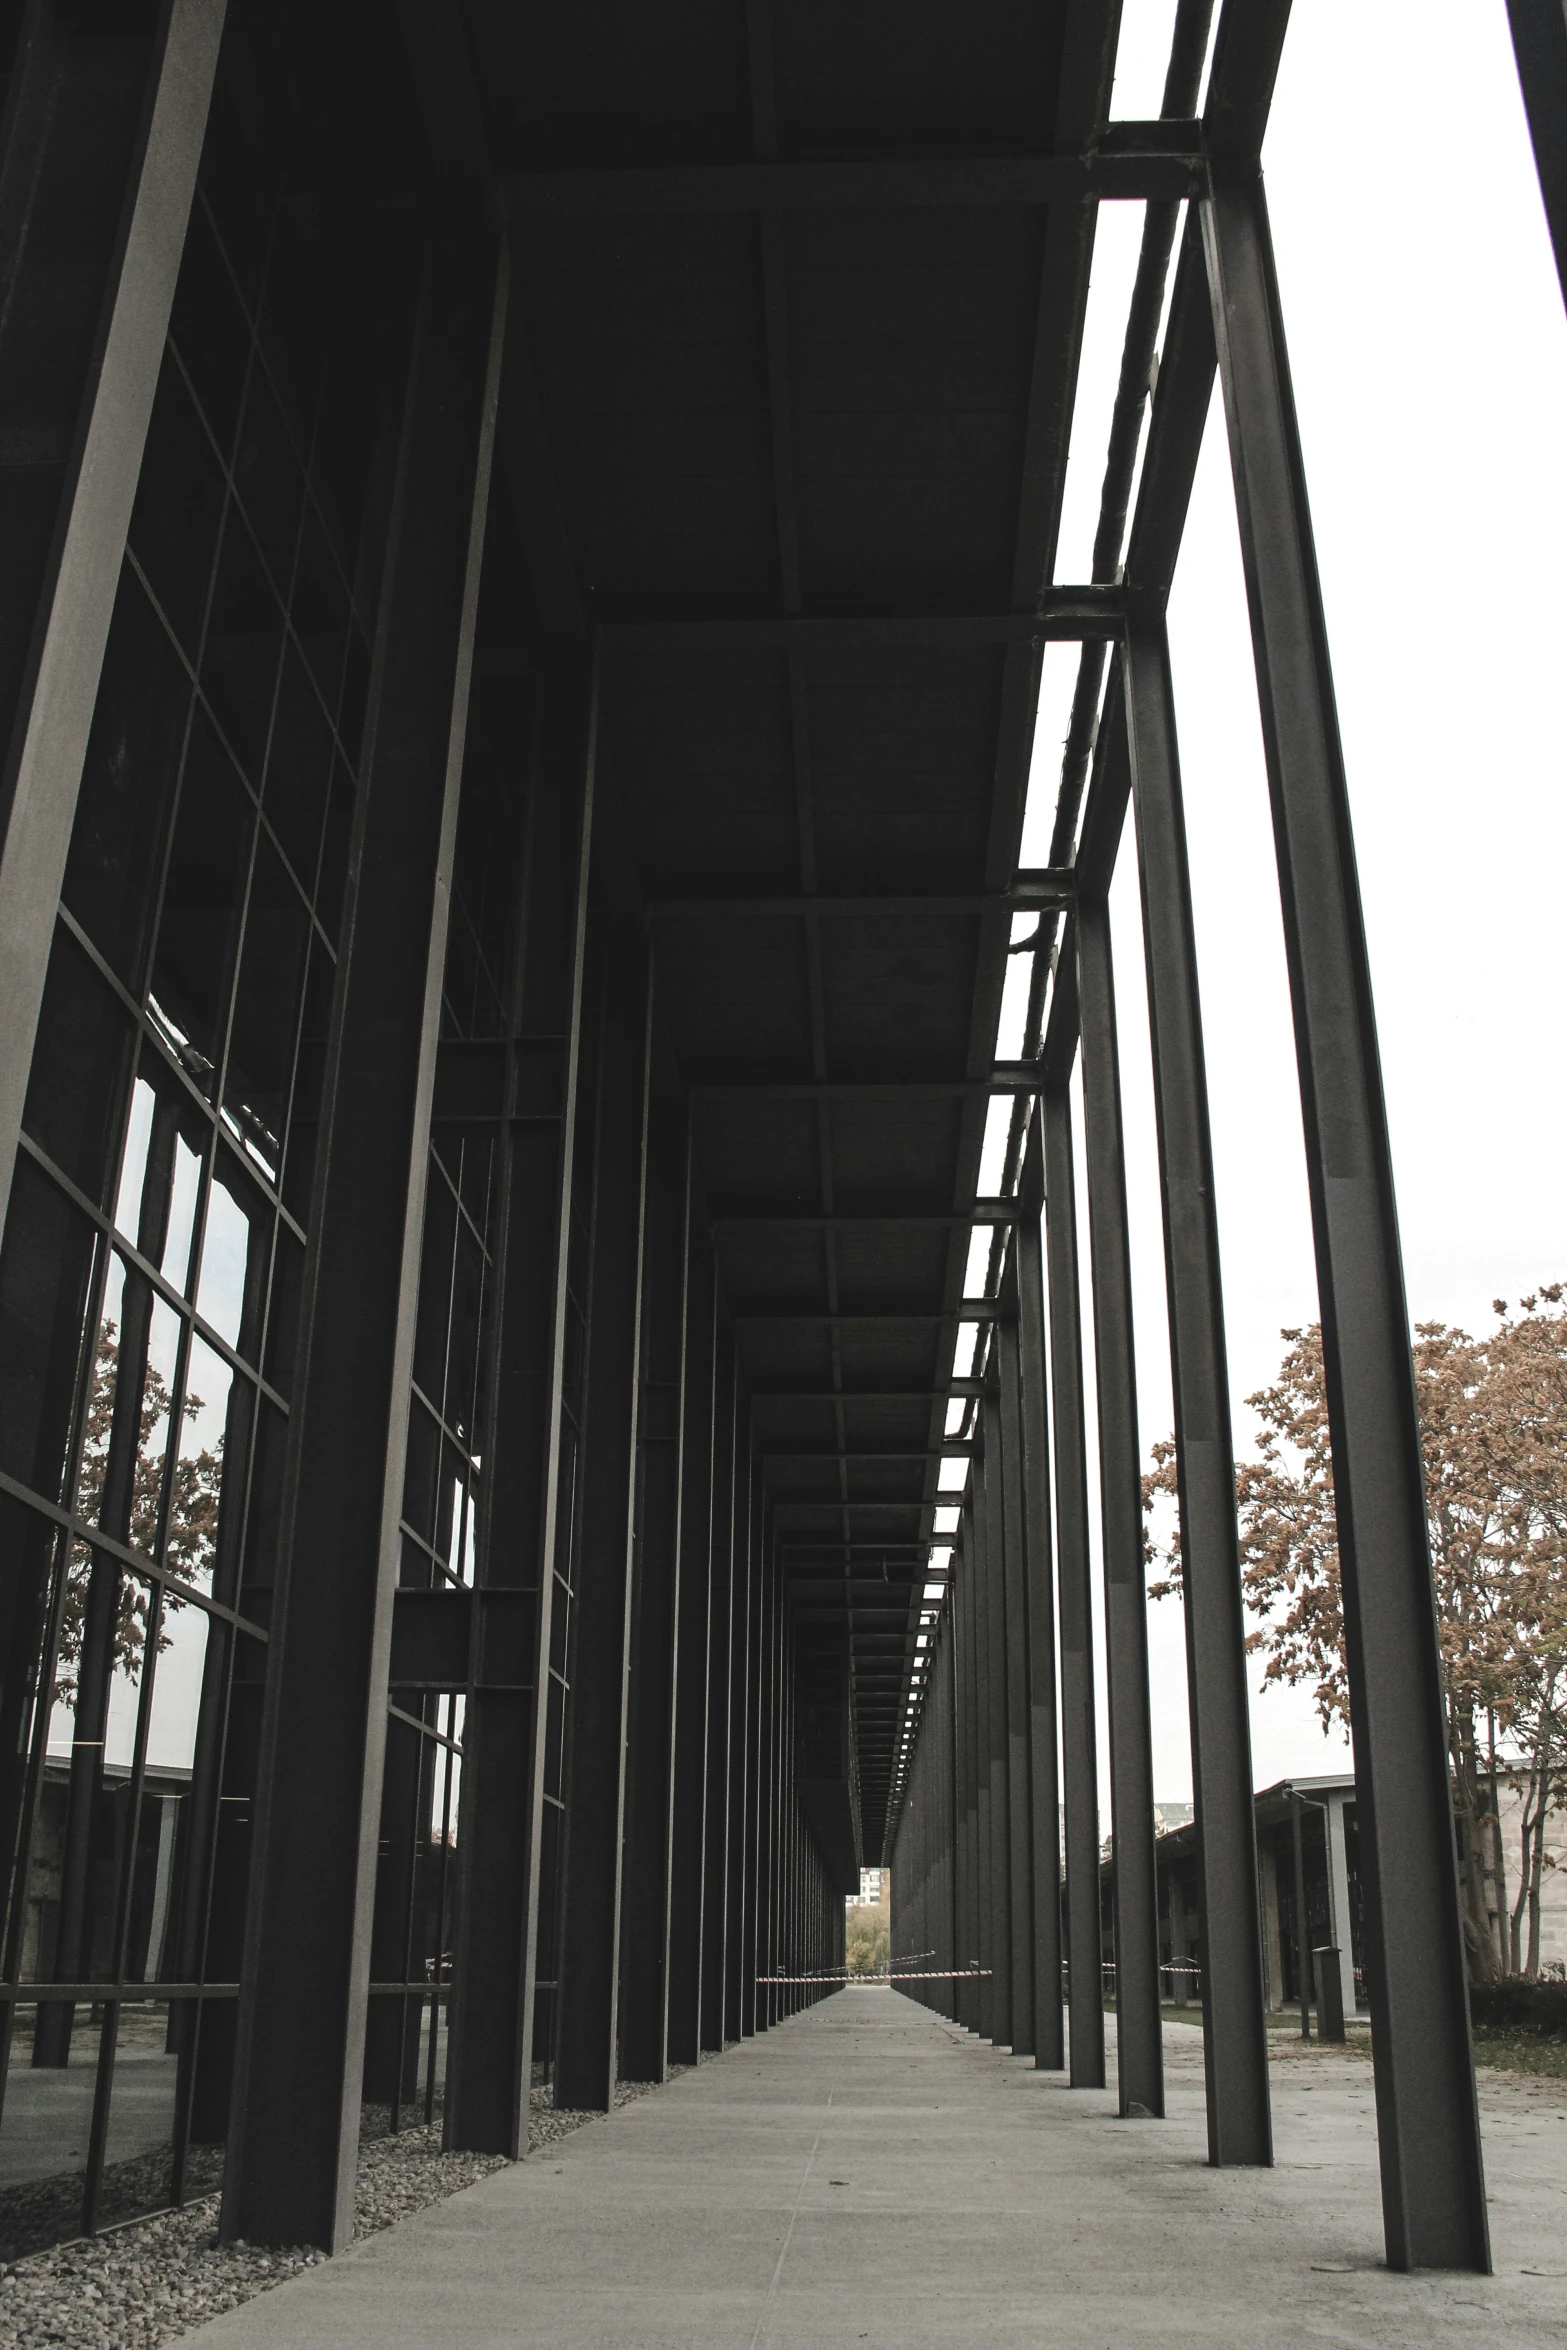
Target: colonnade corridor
{"points": [[871, 2173]]}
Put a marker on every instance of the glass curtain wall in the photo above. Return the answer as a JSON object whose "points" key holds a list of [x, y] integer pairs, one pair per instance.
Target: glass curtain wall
{"points": [[151, 1265]]}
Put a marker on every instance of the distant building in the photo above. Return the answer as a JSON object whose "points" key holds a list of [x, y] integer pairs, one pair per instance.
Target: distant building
{"points": [[873, 1888]]}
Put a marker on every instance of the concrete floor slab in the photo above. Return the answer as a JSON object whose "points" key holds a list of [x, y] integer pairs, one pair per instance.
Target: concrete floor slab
{"points": [[868, 2174]]}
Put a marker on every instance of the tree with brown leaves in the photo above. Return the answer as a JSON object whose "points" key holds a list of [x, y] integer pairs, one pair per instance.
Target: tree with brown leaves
{"points": [[1493, 1419]]}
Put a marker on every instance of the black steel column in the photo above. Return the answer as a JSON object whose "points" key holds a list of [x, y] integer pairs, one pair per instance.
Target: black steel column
{"points": [[488, 2066], [1020, 1727], [645, 1911], [756, 1702], [720, 1694], [1540, 46], [735, 1874], [104, 122], [593, 1845], [1433, 2185], [1079, 1733], [1138, 2037], [687, 1869], [294, 2145], [1033, 1419], [966, 2003], [977, 1954], [1235, 2042]]}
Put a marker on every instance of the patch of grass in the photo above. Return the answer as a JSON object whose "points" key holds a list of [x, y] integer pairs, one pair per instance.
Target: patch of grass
{"points": [[1521, 2052]]}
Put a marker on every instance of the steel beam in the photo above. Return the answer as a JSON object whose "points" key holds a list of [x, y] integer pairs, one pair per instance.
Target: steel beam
{"points": [[1061, 613], [1031, 892], [293, 2150], [593, 1838], [1132, 162], [91, 261], [1428, 2128]]}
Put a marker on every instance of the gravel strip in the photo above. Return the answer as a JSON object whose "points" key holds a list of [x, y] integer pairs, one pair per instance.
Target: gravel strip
{"points": [[154, 2280]]}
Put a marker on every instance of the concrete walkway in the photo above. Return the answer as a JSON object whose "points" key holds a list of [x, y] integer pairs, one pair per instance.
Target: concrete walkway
{"points": [[866, 2173]]}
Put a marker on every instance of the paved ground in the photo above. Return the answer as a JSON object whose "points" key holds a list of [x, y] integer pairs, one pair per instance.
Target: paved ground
{"points": [[868, 2174]]}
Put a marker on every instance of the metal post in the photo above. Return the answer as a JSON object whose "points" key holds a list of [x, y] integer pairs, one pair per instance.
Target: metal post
{"points": [[593, 1843], [1338, 1897], [89, 289], [1079, 1734], [1138, 2035], [1034, 1439], [1020, 1764], [1302, 1937], [1433, 2186], [967, 1776], [645, 1919], [720, 1688], [984, 1841], [1539, 30], [1235, 2039], [294, 2145], [687, 1889], [735, 1875], [992, 1557], [489, 2058]]}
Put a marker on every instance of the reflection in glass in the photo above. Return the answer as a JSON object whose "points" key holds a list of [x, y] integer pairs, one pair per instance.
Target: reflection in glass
{"points": [[127, 1210], [223, 1290], [175, 1264], [138, 2153], [198, 1467], [43, 2140]]}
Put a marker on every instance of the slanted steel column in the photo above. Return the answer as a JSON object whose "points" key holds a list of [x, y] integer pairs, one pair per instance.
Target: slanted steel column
{"points": [[720, 1697], [984, 1840], [736, 1875], [1539, 30], [488, 2066], [1139, 2045], [1235, 2045], [1020, 1727], [293, 2150], [687, 1887], [1433, 2189], [103, 132], [1079, 1734], [756, 1705], [645, 1914], [991, 1552], [593, 1845], [1033, 1423], [966, 1796]]}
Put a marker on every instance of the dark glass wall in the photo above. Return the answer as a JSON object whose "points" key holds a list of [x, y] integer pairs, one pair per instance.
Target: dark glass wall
{"points": [[152, 1256]]}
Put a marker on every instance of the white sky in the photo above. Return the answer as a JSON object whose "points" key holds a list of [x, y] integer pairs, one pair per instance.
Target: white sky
{"points": [[1429, 348]]}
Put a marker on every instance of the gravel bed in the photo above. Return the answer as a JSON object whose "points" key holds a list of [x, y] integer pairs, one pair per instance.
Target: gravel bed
{"points": [[151, 2281]]}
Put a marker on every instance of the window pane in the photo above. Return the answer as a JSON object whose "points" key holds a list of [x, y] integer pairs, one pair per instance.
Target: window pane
{"points": [[133, 758], [202, 897], [198, 1468], [44, 1268], [233, 1258], [75, 1095], [266, 1011]]}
